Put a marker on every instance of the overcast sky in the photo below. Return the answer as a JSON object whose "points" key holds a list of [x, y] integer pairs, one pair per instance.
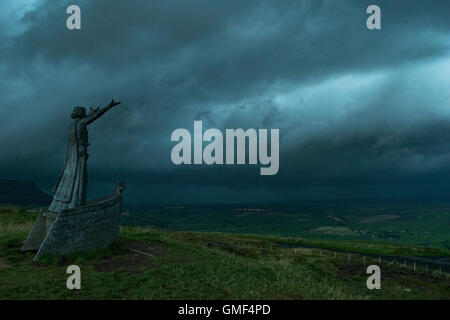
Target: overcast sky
{"points": [[362, 114]]}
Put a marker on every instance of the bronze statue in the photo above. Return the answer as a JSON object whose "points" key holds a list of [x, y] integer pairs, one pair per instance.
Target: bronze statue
{"points": [[71, 223], [70, 190]]}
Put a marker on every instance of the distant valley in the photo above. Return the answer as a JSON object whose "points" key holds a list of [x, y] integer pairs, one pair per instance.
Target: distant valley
{"points": [[23, 193]]}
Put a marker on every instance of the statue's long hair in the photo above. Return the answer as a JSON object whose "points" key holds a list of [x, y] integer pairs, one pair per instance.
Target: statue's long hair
{"points": [[78, 112]]}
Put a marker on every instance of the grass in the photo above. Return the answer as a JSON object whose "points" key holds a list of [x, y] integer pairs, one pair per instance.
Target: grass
{"points": [[369, 247], [192, 265], [420, 224]]}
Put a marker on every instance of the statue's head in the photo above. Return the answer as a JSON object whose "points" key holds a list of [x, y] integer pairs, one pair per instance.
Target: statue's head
{"points": [[78, 113], [120, 187]]}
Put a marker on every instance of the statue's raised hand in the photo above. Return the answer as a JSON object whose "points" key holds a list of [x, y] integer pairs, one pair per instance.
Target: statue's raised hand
{"points": [[98, 112], [114, 103]]}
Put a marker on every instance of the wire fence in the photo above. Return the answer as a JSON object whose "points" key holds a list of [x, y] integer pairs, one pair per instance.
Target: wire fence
{"points": [[430, 266]]}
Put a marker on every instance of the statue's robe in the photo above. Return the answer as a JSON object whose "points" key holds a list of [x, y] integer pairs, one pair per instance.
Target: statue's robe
{"points": [[70, 190]]}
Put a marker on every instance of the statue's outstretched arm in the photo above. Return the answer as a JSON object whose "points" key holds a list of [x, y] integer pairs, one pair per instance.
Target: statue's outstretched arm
{"points": [[97, 113]]}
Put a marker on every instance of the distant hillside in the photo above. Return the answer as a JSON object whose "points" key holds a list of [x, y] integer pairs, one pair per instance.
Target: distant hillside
{"points": [[22, 193]]}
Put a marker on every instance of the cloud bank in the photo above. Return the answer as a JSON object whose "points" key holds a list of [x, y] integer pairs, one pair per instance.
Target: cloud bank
{"points": [[362, 114]]}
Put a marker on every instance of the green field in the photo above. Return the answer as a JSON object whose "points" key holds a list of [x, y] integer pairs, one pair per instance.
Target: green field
{"points": [[192, 265], [425, 225]]}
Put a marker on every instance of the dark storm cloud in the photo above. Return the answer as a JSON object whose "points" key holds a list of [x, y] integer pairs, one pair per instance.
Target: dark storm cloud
{"points": [[360, 112]]}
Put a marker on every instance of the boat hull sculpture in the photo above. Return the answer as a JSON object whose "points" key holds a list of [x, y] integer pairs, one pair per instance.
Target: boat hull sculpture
{"points": [[71, 223], [91, 226]]}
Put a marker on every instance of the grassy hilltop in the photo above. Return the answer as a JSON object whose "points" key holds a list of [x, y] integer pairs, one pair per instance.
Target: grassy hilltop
{"points": [[189, 265]]}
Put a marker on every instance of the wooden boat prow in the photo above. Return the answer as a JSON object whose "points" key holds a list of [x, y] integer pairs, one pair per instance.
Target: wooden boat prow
{"points": [[91, 226]]}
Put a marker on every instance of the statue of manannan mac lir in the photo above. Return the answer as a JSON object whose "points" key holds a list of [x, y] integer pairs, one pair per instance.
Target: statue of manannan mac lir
{"points": [[70, 190]]}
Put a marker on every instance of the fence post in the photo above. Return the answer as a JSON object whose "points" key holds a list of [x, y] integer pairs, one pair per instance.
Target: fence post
{"points": [[379, 260], [414, 266], [364, 258]]}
